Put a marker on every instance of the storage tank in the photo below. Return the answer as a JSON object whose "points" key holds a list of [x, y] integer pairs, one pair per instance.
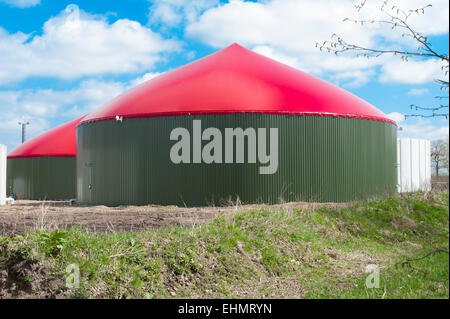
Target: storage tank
{"points": [[44, 166], [235, 126]]}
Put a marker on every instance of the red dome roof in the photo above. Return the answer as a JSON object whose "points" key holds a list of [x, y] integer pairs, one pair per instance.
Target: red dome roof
{"points": [[60, 141], [236, 80]]}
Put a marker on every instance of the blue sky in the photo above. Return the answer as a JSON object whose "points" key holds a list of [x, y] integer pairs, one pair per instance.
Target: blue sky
{"points": [[61, 59]]}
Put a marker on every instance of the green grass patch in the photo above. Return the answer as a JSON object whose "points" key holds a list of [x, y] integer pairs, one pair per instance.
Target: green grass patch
{"points": [[320, 253]]}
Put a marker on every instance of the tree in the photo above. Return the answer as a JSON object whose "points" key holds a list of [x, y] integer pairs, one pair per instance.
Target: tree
{"points": [[439, 156], [397, 19]]}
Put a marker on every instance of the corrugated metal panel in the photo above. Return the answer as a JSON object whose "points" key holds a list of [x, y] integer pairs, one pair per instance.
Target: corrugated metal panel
{"points": [[322, 159], [41, 177], [2, 174], [414, 165]]}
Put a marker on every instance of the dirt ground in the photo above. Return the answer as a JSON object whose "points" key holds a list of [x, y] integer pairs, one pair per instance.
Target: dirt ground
{"points": [[439, 186], [28, 215]]}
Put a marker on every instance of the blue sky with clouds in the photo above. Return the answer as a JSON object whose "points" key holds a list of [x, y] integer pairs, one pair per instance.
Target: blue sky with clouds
{"points": [[61, 59]]}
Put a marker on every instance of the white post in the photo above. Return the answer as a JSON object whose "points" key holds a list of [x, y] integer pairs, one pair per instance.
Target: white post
{"points": [[2, 174]]}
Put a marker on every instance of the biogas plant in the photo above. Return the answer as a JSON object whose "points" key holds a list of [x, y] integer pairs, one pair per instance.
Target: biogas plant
{"points": [[234, 125]]}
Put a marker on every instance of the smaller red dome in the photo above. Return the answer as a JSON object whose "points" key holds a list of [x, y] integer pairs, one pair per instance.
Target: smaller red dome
{"points": [[60, 141]]}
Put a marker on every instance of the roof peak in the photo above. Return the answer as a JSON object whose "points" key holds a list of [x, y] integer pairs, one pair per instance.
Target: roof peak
{"points": [[233, 47]]}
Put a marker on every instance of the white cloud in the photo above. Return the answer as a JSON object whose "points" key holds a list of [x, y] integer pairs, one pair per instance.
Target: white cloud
{"points": [[418, 92], [74, 44], [166, 13], [435, 20], [48, 103], [173, 12], [425, 128], [289, 24], [145, 78], [354, 78], [11, 124], [270, 52], [411, 72], [90, 95], [22, 3], [41, 107], [287, 30], [10, 129], [397, 117]]}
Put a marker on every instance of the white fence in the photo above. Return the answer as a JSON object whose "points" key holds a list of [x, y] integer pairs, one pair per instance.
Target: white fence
{"points": [[414, 165], [2, 174]]}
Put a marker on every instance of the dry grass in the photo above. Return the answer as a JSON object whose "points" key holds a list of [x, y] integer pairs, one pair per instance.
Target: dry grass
{"points": [[26, 215]]}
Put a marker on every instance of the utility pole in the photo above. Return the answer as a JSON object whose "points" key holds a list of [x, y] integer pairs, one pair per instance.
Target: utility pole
{"points": [[24, 130]]}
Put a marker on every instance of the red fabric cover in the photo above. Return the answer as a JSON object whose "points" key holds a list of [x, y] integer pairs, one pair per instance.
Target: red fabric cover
{"points": [[235, 80], [60, 141]]}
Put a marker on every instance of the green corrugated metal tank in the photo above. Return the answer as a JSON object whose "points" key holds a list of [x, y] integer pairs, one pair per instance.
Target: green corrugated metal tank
{"points": [[235, 125], [44, 167]]}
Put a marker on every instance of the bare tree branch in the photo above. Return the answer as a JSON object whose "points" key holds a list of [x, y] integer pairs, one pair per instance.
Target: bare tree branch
{"points": [[397, 19]]}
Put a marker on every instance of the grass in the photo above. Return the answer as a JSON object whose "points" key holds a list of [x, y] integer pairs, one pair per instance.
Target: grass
{"points": [[317, 253]]}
